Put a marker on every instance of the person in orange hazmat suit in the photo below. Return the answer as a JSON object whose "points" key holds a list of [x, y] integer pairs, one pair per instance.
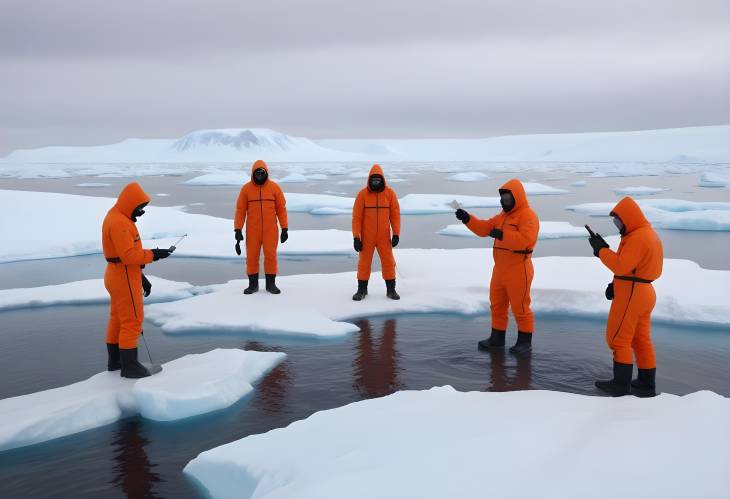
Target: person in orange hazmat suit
{"points": [[376, 225], [514, 230], [636, 264], [125, 281], [260, 203]]}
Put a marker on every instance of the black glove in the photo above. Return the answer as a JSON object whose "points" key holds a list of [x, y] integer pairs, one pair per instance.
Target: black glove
{"points": [[238, 248], [597, 243], [496, 234], [239, 234], [284, 235], [357, 243], [395, 240], [609, 291], [159, 254], [146, 286], [463, 216]]}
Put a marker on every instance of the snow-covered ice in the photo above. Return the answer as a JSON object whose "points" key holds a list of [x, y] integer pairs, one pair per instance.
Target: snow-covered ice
{"points": [[562, 285], [93, 184], [469, 177], [208, 237], [238, 178], [548, 230], [579, 183], [641, 190], [440, 443], [189, 386], [715, 179], [89, 292], [671, 213]]}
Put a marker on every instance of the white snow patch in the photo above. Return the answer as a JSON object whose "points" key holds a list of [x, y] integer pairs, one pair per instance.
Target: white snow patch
{"points": [[671, 213], [579, 183], [89, 292], [562, 285], [639, 191], [192, 385], [93, 184], [469, 177], [548, 230], [565, 449]]}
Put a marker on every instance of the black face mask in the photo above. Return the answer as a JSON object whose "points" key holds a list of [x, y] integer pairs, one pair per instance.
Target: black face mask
{"points": [[507, 200], [260, 176], [619, 224], [138, 212], [376, 183]]}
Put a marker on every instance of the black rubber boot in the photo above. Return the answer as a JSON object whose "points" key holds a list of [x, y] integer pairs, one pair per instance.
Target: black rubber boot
{"points": [[113, 363], [523, 345], [620, 385], [253, 284], [390, 287], [271, 284], [495, 341], [645, 384], [362, 290], [131, 368]]}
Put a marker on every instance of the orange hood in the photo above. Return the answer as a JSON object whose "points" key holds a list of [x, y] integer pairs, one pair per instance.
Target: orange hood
{"points": [[131, 196], [376, 170], [630, 214], [259, 163], [518, 192]]}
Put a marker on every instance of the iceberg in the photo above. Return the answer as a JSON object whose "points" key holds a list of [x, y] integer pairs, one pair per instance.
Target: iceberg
{"points": [[189, 386], [468, 177], [639, 191], [562, 453]]}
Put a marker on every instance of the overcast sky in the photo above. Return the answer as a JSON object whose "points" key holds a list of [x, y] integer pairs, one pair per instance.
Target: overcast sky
{"points": [[82, 72]]}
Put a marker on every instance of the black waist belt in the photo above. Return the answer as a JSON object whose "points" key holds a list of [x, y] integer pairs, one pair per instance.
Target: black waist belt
{"points": [[114, 259], [519, 252], [632, 279]]}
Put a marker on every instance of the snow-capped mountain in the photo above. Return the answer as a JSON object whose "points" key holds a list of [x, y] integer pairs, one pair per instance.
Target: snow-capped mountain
{"points": [[709, 144]]}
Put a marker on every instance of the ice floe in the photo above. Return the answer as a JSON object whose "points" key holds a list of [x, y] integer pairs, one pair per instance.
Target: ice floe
{"points": [[89, 292], [548, 230], [469, 177], [641, 190], [189, 386], [93, 184], [208, 237], [564, 452], [715, 179], [671, 213], [562, 285]]}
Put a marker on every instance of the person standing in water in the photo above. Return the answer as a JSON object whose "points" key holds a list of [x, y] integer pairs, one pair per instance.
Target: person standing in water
{"points": [[514, 230]]}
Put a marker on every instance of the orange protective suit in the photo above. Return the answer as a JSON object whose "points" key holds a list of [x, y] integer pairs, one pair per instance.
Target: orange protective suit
{"points": [[373, 216], [513, 271], [259, 206], [637, 262], [123, 277]]}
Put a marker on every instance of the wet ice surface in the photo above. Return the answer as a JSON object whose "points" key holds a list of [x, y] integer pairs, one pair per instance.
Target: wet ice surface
{"points": [[41, 349]]}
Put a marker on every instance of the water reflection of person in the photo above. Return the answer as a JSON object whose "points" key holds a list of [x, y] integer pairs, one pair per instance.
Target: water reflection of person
{"points": [[376, 365], [501, 381], [272, 389], [133, 470]]}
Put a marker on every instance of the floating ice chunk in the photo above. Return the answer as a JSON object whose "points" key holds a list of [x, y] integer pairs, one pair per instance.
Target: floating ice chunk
{"points": [[189, 386], [90, 292], [671, 213], [326, 455], [537, 189], [714, 179], [548, 230], [579, 183], [562, 285], [93, 184], [469, 177], [235, 178], [639, 191]]}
